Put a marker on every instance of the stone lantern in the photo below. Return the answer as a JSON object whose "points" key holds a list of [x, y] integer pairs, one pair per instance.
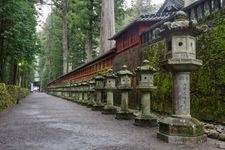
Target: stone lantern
{"points": [[124, 87], [91, 101], [99, 87], [74, 91], [145, 85], [80, 92], [110, 86], [180, 61], [85, 92]]}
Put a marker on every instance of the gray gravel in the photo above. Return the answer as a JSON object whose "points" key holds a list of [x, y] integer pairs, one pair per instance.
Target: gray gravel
{"points": [[43, 122]]}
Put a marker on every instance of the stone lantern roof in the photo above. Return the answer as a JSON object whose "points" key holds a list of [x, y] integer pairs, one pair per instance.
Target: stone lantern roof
{"points": [[182, 25], [146, 67], [110, 74], [99, 77], [124, 71], [91, 82]]}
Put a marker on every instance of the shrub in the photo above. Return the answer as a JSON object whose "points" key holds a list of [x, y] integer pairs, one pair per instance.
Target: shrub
{"points": [[6, 99]]}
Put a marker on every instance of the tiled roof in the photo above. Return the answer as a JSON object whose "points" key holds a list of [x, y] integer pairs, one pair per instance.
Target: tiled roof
{"points": [[160, 15], [177, 4], [152, 17], [142, 18]]}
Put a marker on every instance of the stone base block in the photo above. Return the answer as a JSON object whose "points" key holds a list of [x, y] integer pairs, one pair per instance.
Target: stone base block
{"points": [[181, 139], [145, 121], [109, 110], [84, 103], [124, 115], [97, 108], [181, 130], [89, 105]]}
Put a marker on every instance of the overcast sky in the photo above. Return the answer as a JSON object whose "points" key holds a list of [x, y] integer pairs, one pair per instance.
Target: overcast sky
{"points": [[44, 11]]}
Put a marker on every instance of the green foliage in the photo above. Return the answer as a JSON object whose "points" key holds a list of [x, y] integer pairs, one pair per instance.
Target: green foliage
{"points": [[138, 8], [162, 96], [208, 84], [5, 98], [13, 91], [9, 95], [83, 23], [18, 42]]}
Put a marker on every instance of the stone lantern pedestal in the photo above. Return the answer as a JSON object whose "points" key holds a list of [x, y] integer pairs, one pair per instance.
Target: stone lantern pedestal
{"points": [[76, 89], [181, 60], [125, 87], [80, 93], [74, 92], [91, 101], [145, 85], [99, 87], [85, 93], [110, 86]]}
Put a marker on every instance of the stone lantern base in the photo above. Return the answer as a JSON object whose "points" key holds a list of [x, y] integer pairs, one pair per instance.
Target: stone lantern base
{"points": [[180, 130], [89, 105], [145, 121], [124, 115], [109, 110], [97, 107]]}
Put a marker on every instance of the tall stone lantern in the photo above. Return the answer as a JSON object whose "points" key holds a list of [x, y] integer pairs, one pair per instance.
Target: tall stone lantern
{"points": [[91, 101], [99, 87], [145, 85], [74, 91], [180, 61], [80, 92], [124, 87], [110, 86], [85, 92]]}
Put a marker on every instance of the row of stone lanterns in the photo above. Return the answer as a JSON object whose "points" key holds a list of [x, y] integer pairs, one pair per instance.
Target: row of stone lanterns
{"points": [[180, 60], [91, 93]]}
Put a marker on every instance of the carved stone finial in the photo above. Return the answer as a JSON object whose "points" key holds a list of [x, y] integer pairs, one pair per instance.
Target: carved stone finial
{"points": [[145, 62], [124, 67], [181, 16]]}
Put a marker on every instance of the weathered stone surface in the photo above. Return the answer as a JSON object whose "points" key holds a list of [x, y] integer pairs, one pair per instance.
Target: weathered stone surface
{"points": [[213, 134], [146, 121], [182, 139], [222, 136], [124, 115], [109, 110]]}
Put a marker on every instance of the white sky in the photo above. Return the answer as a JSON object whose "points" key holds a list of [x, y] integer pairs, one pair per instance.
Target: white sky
{"points": [[45, 10]]}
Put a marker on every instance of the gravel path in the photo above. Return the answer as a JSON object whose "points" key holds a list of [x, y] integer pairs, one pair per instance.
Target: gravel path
{"points": [[43, 122]]}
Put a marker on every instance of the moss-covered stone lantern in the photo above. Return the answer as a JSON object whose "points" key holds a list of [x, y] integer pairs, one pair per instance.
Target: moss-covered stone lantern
{"points": [[99, 87], [80, 92], [145, 85], [110, 86], [91, 101], [124, 86], [180, 61], [74, 91], [85, 92]]}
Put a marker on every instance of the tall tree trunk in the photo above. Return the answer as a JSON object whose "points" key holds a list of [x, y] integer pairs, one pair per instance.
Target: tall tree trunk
{"points": [[88, 49], [15, 72], [107, 25], [65, 37], [88, 45], [2, 62]]}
